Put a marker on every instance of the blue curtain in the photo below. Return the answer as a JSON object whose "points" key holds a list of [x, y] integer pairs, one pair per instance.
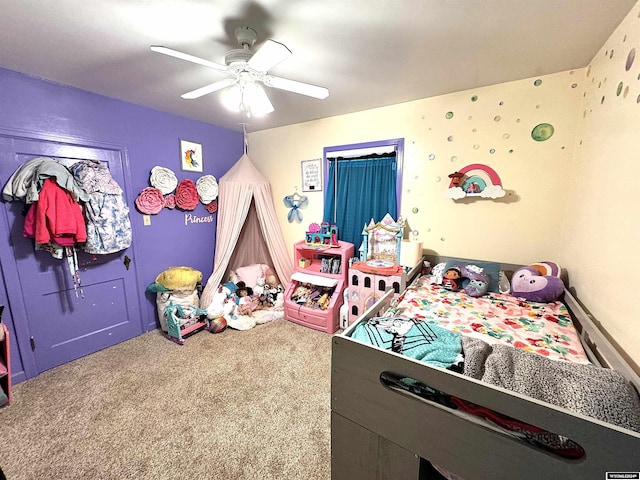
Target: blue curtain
{"points": [[364, 189]]}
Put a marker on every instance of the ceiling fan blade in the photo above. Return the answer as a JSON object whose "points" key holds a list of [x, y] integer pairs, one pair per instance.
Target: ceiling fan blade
{"points": [[188, 58], [296, 87], [269, 55], [212, 87]]}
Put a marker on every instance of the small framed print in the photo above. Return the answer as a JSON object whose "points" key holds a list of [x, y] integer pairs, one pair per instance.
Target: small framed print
{"points": [[312, 175], [191, 156]]}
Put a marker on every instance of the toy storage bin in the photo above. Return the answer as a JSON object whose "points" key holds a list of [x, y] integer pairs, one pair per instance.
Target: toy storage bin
{"points": [[325, 271]]}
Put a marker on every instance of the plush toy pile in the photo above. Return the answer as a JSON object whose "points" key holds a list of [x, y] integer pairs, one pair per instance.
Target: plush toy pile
{"points": [[469, 278], [252, 296]]}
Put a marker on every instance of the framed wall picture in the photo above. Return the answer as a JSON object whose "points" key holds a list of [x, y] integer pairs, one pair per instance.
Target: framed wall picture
{"points": [[191, 159], [312, 175]]}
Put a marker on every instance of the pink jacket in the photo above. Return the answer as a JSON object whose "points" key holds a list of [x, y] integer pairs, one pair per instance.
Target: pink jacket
{"points": [[55, 217]]}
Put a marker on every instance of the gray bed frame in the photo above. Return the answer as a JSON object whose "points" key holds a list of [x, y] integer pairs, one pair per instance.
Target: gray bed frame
{"points": [[381, 433]]}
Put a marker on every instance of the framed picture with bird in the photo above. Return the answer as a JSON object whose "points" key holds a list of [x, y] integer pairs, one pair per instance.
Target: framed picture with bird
{"points": [[191, 159]]}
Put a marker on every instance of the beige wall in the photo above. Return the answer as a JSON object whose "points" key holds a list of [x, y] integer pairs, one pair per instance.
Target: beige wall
{"points": [[600, 248], [562, 197]]}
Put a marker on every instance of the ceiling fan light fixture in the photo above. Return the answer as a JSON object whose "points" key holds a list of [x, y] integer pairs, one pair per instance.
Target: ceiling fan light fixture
{"points": [[231, 98], [247, 97], [256, 100]]}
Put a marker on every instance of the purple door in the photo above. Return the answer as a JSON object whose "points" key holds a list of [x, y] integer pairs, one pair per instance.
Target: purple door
{"points": [[62, 323]]}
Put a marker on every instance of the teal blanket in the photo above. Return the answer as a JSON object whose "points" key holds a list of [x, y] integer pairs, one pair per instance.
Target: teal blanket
{"points": [[424, 341]]}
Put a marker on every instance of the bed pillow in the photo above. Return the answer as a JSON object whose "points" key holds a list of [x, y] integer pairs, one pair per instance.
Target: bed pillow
{"points": [[437, 272], [530, 284], [492, 269], [250, 274]]}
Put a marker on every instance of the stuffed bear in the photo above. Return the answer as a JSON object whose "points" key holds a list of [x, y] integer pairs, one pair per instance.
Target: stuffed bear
{"points": [[259, 287]]}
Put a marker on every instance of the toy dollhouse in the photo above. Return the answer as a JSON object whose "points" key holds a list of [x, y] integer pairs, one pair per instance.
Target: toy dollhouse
{"points": [[379, 267], [322, 235]]}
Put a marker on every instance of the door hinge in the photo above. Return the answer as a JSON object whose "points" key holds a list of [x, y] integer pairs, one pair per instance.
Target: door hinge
{"points": [[127, 262], [33, 344]]}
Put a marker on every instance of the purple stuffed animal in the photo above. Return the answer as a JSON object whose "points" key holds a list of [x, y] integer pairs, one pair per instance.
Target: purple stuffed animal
{"points": [[530, 284]]}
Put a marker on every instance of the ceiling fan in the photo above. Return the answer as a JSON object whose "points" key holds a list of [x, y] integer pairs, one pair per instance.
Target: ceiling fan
{"points": [[246, 71]]}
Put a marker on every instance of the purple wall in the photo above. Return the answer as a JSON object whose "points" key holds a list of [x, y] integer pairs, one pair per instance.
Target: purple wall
{"points": [[35, 108]]}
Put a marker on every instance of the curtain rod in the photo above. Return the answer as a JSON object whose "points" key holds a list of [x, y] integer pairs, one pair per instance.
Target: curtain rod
{"points": [[363, 157]]}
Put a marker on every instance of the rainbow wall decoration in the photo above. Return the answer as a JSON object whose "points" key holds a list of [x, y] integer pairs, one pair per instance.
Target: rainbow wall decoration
{"points": [[475, 180]]}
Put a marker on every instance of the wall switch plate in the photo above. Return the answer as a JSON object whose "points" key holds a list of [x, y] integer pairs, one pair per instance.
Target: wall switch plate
{"points": [[146, 219]]}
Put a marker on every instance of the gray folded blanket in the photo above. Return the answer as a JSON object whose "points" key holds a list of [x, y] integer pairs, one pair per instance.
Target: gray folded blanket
{"points": [[596, 392]]}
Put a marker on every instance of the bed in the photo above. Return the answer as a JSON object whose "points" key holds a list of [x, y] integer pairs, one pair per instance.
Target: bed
{"points": [[392, 415]]}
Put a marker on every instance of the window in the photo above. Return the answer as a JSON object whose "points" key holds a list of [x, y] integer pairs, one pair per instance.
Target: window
{"points": [[362, 182]]}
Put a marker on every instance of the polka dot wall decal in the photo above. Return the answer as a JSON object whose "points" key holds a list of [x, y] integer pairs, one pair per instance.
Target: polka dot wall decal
{"points": [[542, 132], [497, 118], [476, 146], [449, 115], [626, 92], [630, 58], [501, 103], [589, 71], [619, 90], [517, 120], [450, 138], [602, 100], [474, 98], [506, 136], [415, 233], [537, 83], [474, 130], [511, 150], [438, 179], [538, 106], [432, 156], [492, 151], [638, 99], [454, 158], [611, 54], [574, 85], [414, 210], [471, 117]]}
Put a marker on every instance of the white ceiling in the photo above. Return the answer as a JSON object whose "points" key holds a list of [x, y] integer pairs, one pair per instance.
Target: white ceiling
{"points": [[368, 53]]}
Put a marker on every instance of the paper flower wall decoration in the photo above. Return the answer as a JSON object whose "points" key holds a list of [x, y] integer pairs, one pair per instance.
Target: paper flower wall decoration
{"points": [[163, 179], [150, 201]]}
